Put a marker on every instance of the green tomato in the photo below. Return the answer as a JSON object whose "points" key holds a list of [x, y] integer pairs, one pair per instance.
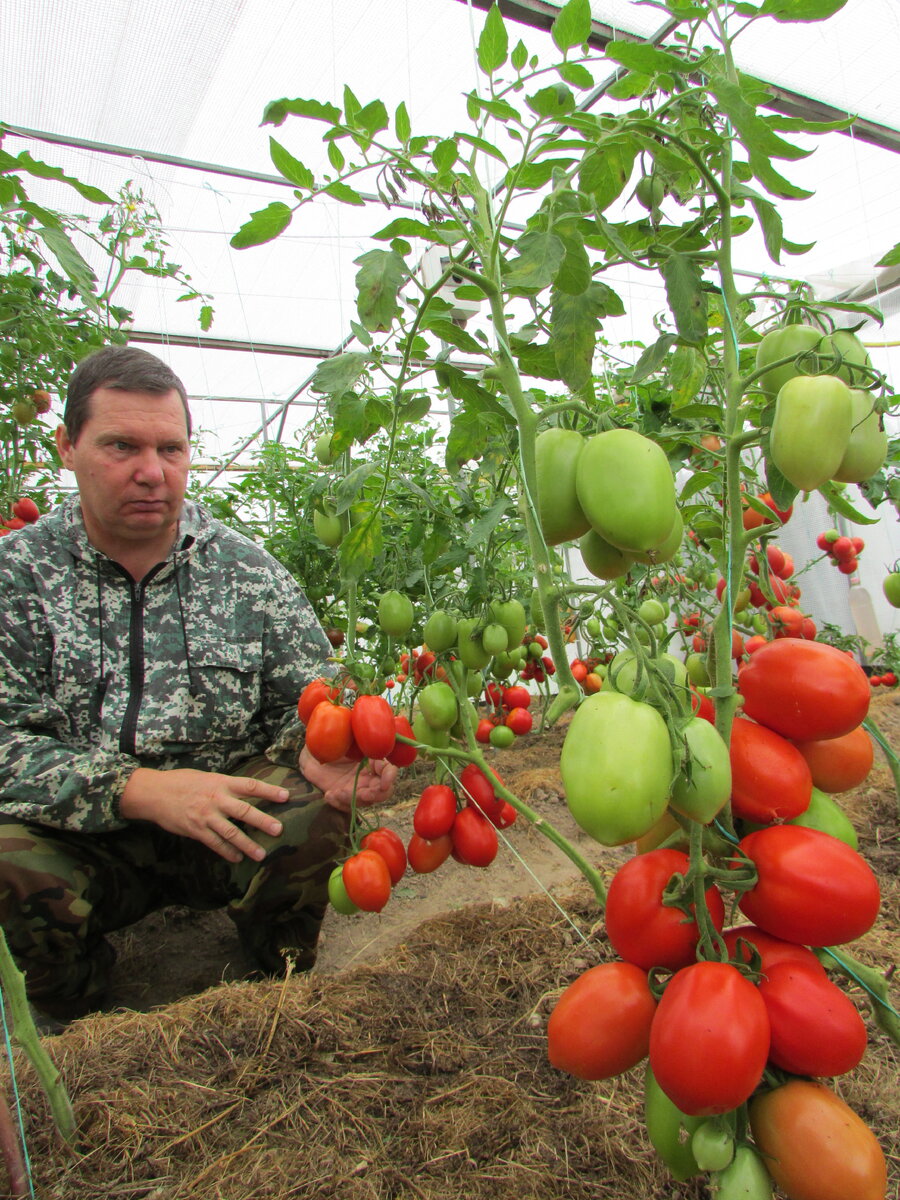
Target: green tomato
{"points": [[438, 706], [328, 528], [495, 639], [666, 1128], [745, 1178], [627, 490], [556, 453], [789, 341], [824, 813], [844, 356], [653, 611], [592, 628], [471, 650], [602, 558], [437, 739], [703, 785], [616, 767], [323, 451], [650, 191], [697, 670], [511, 615], [667, 550], [867, 448], [811, 429], [439, 633], [337, 894], [501, 736], [891, 587], [395, 614], [712, 1146]]}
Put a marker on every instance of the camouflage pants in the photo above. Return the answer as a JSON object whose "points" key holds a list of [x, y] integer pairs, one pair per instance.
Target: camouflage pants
{"points": [[61, 892]]}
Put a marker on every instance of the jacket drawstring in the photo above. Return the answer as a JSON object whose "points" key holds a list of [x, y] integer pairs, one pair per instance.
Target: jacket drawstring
{"points": [[187, 654], [101, 683]]}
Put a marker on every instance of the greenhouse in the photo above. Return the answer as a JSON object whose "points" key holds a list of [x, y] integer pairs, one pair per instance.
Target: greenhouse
{"points": [[551, 350]]}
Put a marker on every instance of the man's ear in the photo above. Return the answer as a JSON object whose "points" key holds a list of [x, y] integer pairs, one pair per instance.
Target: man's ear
{"points": [[64, 446]]}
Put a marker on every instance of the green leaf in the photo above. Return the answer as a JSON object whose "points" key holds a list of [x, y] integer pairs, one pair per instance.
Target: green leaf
{"points": [[573, 336], [380, 276], [538, 361], [519, 56], [372, 118], [264, 225], [891, 259], [801, 10], [482, 145], [493, 43], [361, 546], [572, 26], [336, 156], [42, 170], [351, 107], [482, 529], [837, 500], [290, 167], [414, 409], [533, 175], [454, 336], [687, 374], [206, 317], [346, 195], [555, 101], [73, 265], [500, 109], [444, 155], [277, 111], [334, 376], [575, 74], [769, 219], [685, 294], [646, 59], [574, 274], [401, 123], [605, 171], [653, 358], [783, 493], [408, 227], [540, 255]]}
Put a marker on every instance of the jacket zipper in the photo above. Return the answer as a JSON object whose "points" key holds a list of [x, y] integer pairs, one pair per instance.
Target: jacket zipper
{"points": [[136, 662]]}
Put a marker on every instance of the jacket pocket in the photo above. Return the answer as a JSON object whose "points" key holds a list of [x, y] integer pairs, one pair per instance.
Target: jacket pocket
{"points": [[218, 699]]}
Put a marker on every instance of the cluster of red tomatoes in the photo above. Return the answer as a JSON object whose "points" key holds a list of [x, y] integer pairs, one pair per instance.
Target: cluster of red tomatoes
{"points": [[24, 512], [509, 707], [460, 823], [844, 552], [368, 728], [758, 1001], [885, 679]]}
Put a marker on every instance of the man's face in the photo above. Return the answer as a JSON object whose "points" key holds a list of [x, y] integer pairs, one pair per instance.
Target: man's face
{"points": [[131, 463]]}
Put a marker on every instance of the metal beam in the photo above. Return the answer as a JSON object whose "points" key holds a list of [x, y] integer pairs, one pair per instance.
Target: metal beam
{"points": [[202, 342], [540, 15]]}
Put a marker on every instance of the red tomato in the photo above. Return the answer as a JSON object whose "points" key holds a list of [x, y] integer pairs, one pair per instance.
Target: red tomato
{"points": [[841, 763], [483, 731], [372, 722], [435, 811], [770, 780], [812, 888], [367, 880], [772, 950], [815, 1146], [517, 697], [479, 792], [816, 1029], [426, 855], [709, 1040], [804, 690], [520, 721], [390, 846], [329, 735], [642, 929], [600, 1026], [314, 693], [402, 755], [702, 706], [474, 839], [26, 510]]}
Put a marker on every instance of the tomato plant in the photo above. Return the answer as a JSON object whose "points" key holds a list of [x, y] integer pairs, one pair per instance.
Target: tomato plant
{"points": [[600, 1026], [710, 1039], [815, 1145]]}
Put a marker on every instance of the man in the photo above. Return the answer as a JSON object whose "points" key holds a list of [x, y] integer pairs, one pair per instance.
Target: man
{"points": [[150, 665]]}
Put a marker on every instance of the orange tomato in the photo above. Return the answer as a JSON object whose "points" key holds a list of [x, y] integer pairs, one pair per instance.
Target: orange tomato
{"points": [[838, 764]]}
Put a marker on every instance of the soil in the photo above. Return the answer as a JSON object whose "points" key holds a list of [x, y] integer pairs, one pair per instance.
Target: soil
{"points": [[177, 952]]}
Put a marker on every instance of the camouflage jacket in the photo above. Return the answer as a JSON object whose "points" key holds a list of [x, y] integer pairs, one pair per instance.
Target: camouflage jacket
{"points": [[198, 665]]}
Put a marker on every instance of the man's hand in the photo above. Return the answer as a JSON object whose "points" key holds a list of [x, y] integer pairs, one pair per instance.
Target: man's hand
{"points": [[335, 780], [205, 806]]}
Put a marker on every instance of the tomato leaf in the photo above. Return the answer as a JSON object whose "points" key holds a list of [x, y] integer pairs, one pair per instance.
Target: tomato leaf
{"points": [[277, 111], [575, 74], [497, 108], [379, 279], [572, 26], [605, 171], [540, 255], [340, 191], [781, 491], [648, 60], [687, 374], [74, 266], [842, 506], [519, 56], [334, 376], [801, 10], [573, 336], [769, 219], [42, 170], [408, 227], [448, 332], [482, 145], [290, 167], [481, 529], [653, 358], [360, 546], [444, 155], [891, 259], [264, 225], [493, 44], [686, 297]]}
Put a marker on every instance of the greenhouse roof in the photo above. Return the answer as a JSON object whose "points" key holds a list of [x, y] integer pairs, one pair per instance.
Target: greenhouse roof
{"points": [[171, 95]]}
